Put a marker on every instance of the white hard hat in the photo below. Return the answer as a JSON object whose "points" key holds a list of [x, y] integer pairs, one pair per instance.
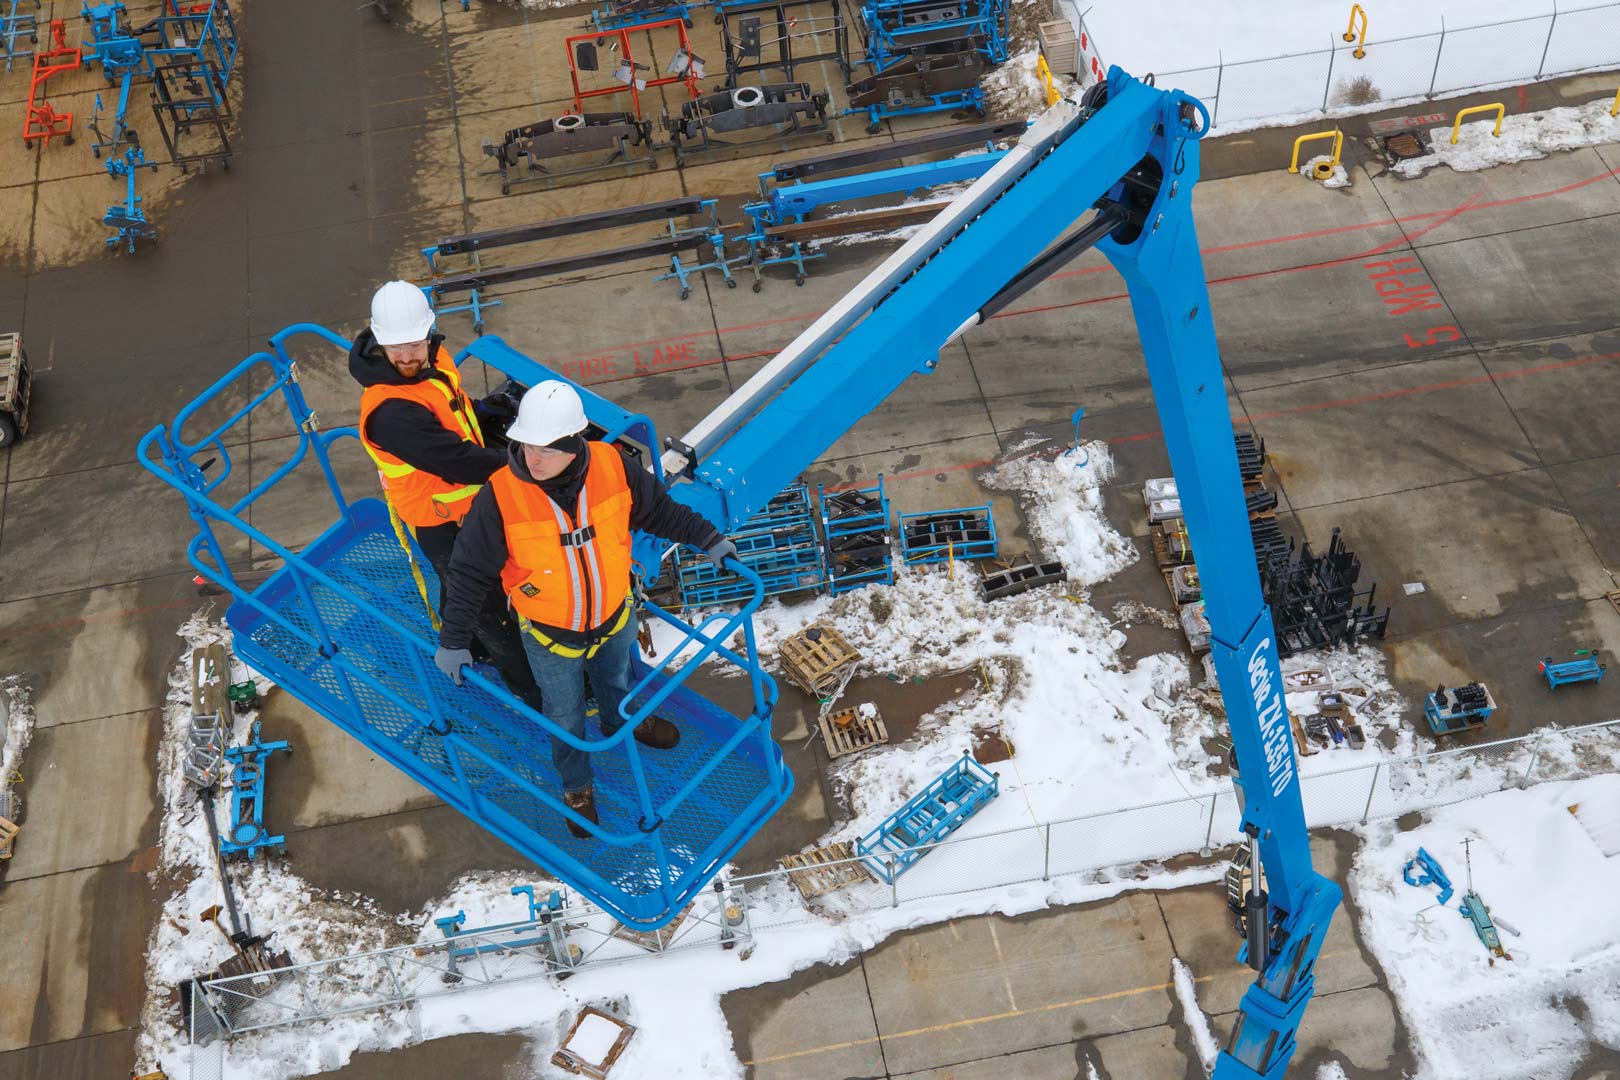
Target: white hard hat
{"points": [[400, 314], [549, 411]]}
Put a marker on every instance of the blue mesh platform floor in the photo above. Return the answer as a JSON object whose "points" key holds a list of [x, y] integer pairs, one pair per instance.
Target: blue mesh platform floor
{"points": [[363, 554]]}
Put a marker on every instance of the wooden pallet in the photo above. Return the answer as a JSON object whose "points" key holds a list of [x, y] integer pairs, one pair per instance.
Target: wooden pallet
{"points": [[653, 940], [847, 731], [8, 833], [814, 659], [1613, 597], [565, 1058], [824, 869], [210, 678]]}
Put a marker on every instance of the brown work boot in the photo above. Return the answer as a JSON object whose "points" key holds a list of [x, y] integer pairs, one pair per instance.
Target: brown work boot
{"points": [[582, 803], [657, 733]]}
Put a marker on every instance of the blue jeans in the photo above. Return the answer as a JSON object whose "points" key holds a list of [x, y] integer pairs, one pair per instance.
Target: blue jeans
{"points": [[562, 687]]}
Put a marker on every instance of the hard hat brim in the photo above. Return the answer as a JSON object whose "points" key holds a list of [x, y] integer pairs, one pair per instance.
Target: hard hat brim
{"points": [[417, 331]]}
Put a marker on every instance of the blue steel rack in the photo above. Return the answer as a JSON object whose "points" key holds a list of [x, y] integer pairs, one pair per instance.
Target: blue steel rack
{"points": [[778, 544], [936, 536], [856, 525], [927, 818], [341, 627]]}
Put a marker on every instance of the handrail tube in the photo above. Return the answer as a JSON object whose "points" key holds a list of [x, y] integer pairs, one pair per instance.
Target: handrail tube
{"points": [[709, 647], [287, 556], [764, 680], [194, 406]]}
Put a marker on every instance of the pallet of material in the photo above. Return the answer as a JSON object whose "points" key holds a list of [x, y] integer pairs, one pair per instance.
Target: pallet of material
{"points": [[653, 940], [825, 869], [849, 730], [815, 658], [1060, 46], [8, 833]]}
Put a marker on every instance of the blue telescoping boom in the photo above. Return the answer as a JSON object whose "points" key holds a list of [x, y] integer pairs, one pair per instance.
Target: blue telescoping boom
{"points": [[1130, 151], [1126, 150]]}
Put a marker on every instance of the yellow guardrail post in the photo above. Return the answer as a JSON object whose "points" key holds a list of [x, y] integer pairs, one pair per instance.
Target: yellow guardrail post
{"points": [[1323, 170], [1043, 71], [1501, 111], [1350, 32]]}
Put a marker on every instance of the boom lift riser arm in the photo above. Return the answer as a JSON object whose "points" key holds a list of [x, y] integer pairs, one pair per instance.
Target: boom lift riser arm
{"points": [[1134, 155]]}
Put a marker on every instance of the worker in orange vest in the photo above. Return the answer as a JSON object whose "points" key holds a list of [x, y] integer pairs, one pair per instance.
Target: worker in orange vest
{"points": [[427, 439], [553, 527]]}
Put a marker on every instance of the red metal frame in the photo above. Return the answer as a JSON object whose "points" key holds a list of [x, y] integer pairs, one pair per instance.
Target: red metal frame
{"points": [[41, 121], [623, 34]]}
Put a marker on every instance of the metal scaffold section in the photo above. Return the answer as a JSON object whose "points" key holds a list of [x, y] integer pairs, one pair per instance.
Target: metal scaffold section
{"points": [[187, 55], [926, 56], [342, 627]]}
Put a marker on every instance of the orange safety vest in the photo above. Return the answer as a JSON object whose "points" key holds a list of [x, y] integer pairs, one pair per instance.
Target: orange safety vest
{"points": [[420, 498], [571, 575]]}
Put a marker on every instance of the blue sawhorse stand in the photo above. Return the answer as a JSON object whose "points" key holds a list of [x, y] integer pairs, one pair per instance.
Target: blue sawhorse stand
{"points": [[543, 929], [247, 834]]}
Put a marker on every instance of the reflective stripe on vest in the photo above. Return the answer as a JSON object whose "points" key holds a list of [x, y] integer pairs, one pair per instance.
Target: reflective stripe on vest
{"points": [[419, 497], [567, 573]]}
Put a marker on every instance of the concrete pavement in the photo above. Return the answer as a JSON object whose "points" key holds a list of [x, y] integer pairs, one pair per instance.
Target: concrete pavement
{"points": [[1463, 440]]}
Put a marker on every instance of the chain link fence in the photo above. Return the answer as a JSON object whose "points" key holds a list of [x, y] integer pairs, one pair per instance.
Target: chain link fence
{"points": [[236, 1008], [1411, 68]]}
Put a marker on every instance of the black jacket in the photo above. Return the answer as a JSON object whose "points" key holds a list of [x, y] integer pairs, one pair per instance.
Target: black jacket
{"points": [[409, 431], [480, 553]]}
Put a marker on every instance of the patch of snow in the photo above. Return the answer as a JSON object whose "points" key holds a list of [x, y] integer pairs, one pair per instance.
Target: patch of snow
{"points": [[1331, 1071], [1339, 179], [1194, 34], [593, 1039], [1525, 137], [1197, 1022], [1474, 1015], [17, 719], [1014, 89]]}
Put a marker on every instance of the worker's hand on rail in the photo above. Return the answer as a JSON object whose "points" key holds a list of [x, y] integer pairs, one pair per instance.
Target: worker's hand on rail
{"points": [[720, 551], [450, 662]]}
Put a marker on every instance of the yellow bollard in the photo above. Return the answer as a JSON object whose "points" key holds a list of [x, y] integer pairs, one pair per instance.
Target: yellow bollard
{"points": [[1044, 72], [1501, 111], [1350, 32], [1615, 111], [1323, 170]]}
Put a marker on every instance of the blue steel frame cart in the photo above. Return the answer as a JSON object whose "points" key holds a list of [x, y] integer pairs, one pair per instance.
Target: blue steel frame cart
{"points": [[859, 550], [936, 536], [779, 547], [1583, 668], [341, 627], [927, 818], [1458, 708]]}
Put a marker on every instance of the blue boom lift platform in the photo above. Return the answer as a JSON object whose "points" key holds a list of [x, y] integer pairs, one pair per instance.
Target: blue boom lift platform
{"points": [[342, 624]]}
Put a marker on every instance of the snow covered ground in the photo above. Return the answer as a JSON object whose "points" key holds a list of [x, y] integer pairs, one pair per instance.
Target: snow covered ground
{"points": [[1525, 137], [1261, 64], [1538, 868], [1092, 732]]}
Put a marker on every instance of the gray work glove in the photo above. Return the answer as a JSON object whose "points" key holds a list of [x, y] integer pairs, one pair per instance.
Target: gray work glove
{"points": [[719, 551], [450, 661]]}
